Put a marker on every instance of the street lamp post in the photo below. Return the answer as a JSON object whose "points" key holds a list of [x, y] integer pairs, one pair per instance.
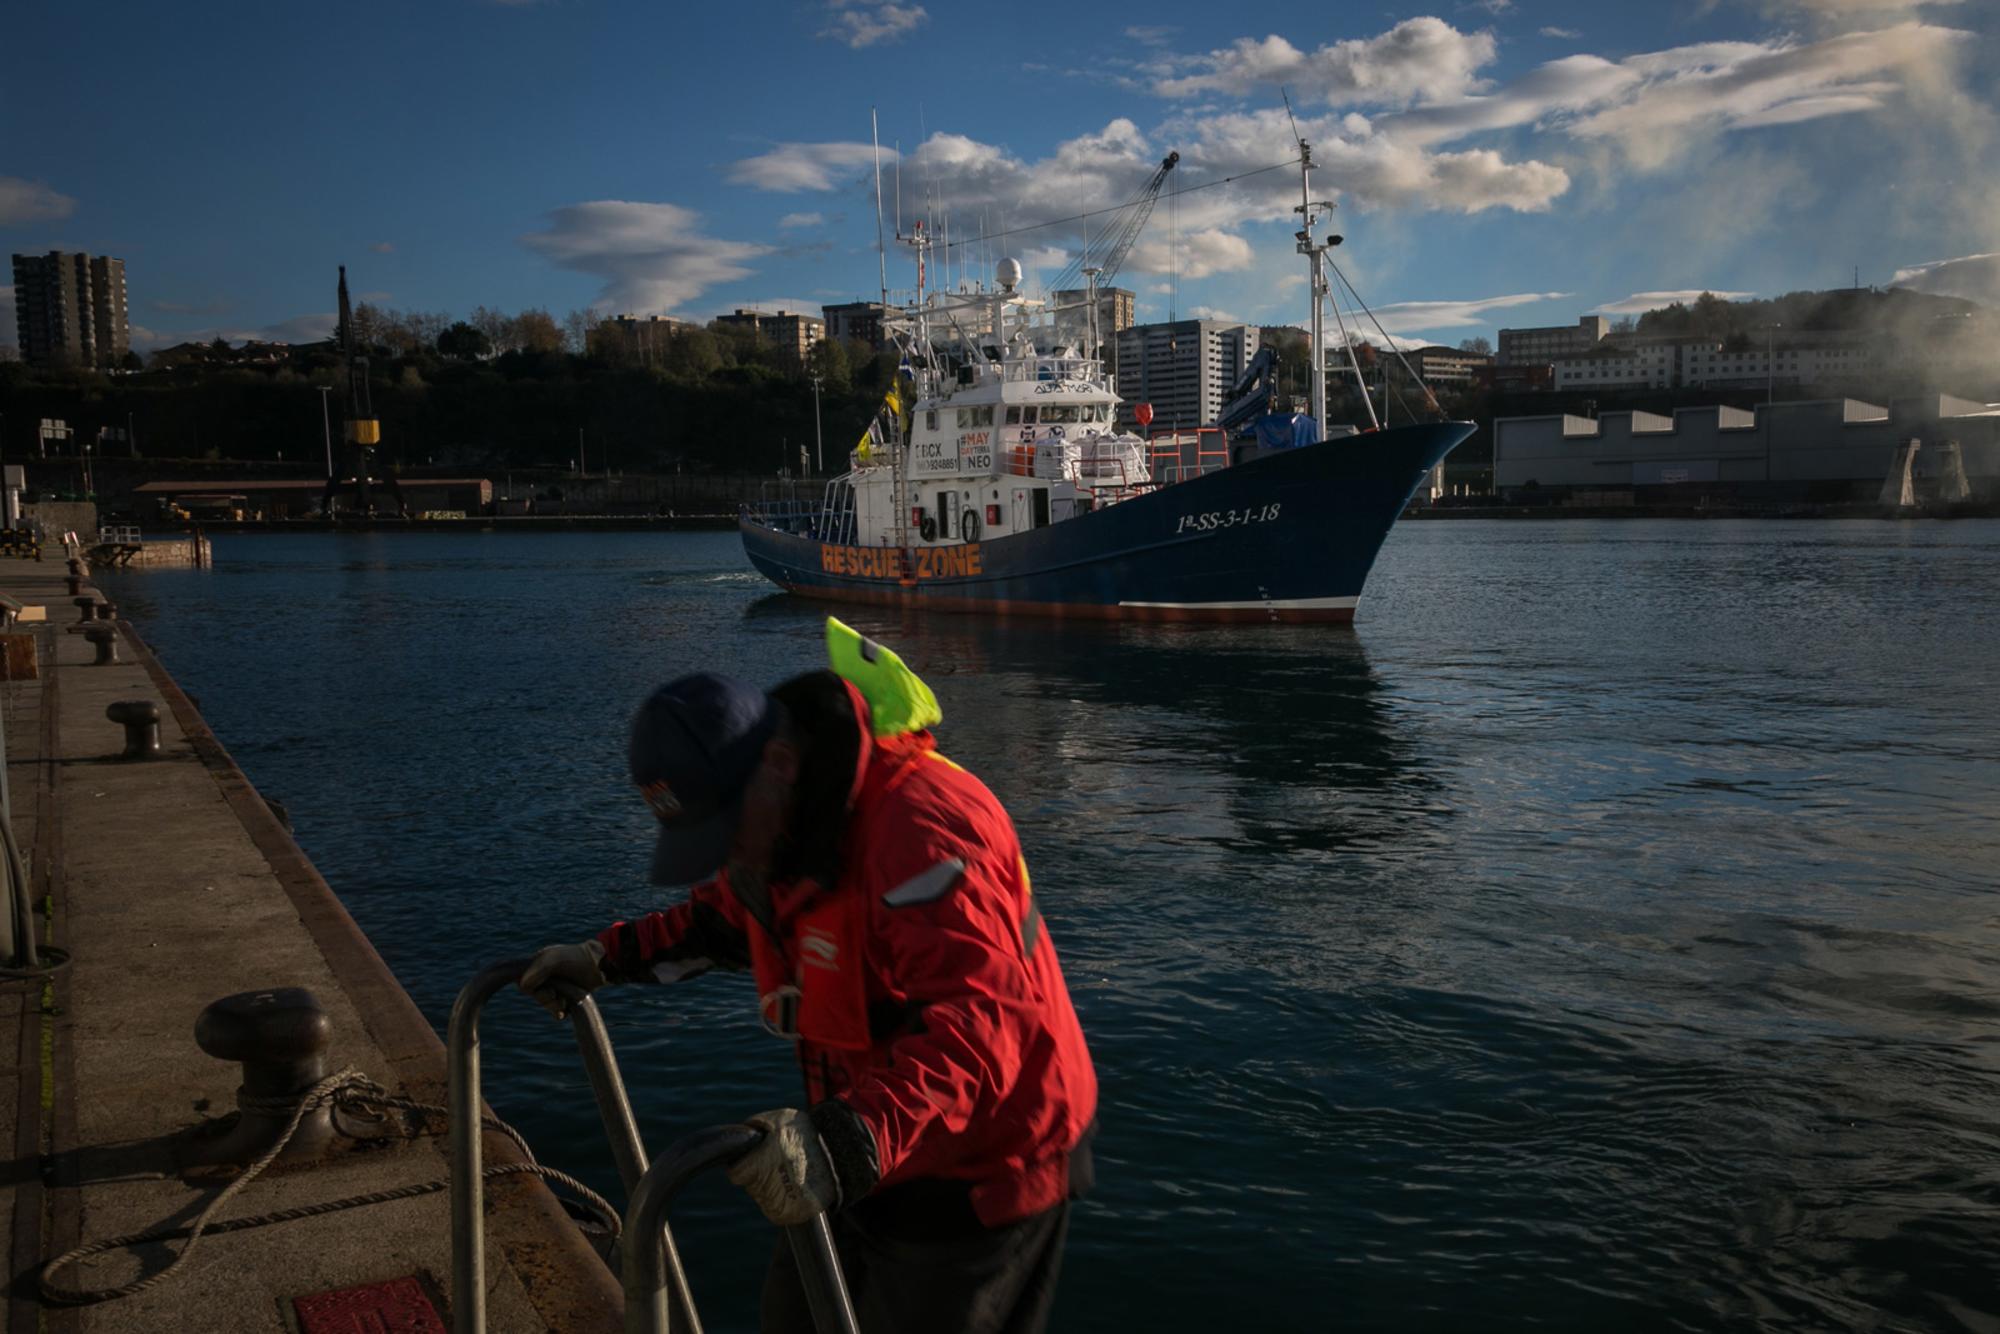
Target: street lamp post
{"points": [[819, 447]]}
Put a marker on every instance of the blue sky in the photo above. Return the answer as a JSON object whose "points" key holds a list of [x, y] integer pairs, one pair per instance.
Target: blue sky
{"points": [[1505, 162]]}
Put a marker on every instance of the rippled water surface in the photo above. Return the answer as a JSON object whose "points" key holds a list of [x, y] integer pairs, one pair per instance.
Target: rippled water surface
{"points": [[1599, 935]]}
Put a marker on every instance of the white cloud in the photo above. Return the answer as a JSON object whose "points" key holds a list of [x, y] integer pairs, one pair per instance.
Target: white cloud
{"points": [[1561, 34], [651, 257], [1640, 302], [31, 201], [1199, 254], [862, 23], [793, 167], [1369, 165], [1211, 313], [1420, 58], [1653, 103], [1151, 34], [1405, 316], [791, 220], [1849, 9], [1973, 277], [1726, 86]]}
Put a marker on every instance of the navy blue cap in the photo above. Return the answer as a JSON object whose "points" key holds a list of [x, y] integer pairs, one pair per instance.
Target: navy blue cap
{"points": [[695, 743]]}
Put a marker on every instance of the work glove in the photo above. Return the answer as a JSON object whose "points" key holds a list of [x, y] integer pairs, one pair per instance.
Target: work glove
{"points": [[557, 972], [788, 1172]]}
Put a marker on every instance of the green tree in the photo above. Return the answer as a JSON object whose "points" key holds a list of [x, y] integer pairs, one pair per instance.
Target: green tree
{"points": [[828, 360], [496, 325], [464, 342], [535, 330], [692, 355]]}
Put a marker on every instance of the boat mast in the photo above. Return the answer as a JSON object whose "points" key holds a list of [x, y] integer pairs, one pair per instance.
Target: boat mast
{"points": [[1315, 252], [881, 251], [1316, 274]]}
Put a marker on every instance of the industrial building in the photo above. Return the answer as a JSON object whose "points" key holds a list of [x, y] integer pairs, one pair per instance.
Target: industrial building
{"points": [[859, 321], [1117, 308], [1528, 347], [1441, 367], [792, 337], [1677, 362], [1184, 369], [70, 309], [1824, 451], [640, 339]]}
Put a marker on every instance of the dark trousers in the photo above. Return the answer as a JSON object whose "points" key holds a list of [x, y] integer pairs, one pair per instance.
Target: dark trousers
{"points": [[917, 1262]]}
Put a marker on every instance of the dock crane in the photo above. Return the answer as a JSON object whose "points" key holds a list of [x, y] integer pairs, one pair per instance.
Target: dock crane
{"points": [[1128, 222], [361, 432]]}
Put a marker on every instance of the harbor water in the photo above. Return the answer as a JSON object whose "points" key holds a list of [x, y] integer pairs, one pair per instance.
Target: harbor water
{"points": [[1599, 934]]}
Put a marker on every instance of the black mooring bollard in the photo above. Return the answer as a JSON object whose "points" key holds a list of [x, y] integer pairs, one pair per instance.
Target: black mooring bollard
{"points": [[141, 720], [86, 609], [106, 639], [76, 585], [107, 611], [280, 1036]]}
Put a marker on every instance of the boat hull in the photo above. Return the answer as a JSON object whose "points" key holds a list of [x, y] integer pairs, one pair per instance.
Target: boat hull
{"points": [[1288, 536]]}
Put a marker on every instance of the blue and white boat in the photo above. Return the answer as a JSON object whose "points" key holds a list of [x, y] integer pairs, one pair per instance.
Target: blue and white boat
{"points": [[998, 481]]}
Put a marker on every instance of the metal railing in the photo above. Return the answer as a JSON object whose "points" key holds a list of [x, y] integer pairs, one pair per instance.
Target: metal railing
{"points": [[647, 1281], [652, 1266]]}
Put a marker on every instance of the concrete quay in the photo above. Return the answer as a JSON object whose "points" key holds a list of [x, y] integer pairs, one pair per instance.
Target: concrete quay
{"points": [[171, 883]]}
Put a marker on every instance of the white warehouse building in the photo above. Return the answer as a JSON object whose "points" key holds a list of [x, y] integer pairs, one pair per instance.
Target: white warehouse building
{"points": [[1824, 450], [1703, 363]]}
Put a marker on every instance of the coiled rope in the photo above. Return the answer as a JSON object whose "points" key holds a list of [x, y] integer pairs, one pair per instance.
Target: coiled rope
{"points": [[348, 1090]]}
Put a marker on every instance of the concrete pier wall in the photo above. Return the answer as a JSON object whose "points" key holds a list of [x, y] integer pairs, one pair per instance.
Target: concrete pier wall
{"points": [[171, 883]]}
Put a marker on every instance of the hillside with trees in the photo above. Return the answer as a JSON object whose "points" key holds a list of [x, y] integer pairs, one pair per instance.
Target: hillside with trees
{"points": [[1894, 312], [490, 391]]}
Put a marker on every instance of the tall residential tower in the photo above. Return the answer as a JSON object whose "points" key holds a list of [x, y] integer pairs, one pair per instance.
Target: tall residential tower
{"points": [[70, 309]]}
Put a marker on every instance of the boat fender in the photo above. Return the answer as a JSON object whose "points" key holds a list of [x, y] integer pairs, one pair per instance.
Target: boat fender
{"points": [[969, 526], [928, 528]]}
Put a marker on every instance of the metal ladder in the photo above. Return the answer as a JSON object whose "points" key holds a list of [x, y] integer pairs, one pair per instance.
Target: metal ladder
{"points": [[651, 1271]]}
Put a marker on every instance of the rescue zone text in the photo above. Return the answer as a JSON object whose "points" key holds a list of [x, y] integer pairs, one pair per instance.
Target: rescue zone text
{"points": [[954, 562]]}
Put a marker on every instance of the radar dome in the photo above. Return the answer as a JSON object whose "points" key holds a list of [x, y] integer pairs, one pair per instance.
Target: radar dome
{"points": [[1009, 274]]}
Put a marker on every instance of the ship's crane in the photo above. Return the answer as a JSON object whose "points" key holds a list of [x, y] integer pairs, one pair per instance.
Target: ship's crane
{"points": [[1127, 223], [1253, 395]]}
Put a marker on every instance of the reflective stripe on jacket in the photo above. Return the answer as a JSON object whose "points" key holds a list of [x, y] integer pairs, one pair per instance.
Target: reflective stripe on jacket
{"points": [[928, 994]]}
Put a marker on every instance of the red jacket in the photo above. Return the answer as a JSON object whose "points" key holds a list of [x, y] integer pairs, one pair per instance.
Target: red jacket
{"points": [[929, 999]]}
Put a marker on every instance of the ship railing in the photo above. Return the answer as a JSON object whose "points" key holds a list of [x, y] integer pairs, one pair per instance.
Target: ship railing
{"points": [[837, 522], [800, 518], [1178, 456], [1052, 368], [657, 1295]]}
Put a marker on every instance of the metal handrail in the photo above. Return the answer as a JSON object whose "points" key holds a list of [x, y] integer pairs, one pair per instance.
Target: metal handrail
{"points": [[647, 1280], [468, 1188]]}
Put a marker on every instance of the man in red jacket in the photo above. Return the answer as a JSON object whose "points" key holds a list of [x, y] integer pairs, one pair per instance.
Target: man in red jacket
{"points": [[877, 893]]}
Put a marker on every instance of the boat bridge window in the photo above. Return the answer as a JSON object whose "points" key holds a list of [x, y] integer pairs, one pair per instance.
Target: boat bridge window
{"points": [[978, 416], [930, 420], [1066, 413], [1013, 416]]}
